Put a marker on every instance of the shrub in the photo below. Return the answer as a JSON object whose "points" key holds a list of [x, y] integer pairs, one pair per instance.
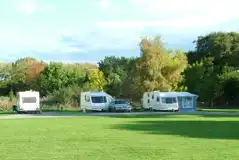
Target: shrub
{"points": [[6, 104], [11, 96], [68, 96]]}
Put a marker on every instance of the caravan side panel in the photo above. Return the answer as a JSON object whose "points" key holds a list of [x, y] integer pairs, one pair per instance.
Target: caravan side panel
{"points": [[146, 100], [84, 101]]}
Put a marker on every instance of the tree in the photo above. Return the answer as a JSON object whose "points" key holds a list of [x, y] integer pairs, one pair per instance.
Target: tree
{"points": [[157, 68], [11, 95], [202, 79], [76, 73], [95, 80], [230, 85], [53, 77], [18, 73], [5, 75], [117, 73], [33, 70], [218, 51], [193, 76], [222, 46]]}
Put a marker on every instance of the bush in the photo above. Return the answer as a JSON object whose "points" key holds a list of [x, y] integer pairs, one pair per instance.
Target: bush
{"points": [[6, 104], [11, 96], [68, 96]]}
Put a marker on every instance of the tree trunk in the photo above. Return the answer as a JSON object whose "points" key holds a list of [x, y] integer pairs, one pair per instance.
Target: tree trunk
{"points": [[211, 103]]}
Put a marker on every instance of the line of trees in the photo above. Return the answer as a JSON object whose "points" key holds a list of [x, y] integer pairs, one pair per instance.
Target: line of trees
{"points": [[211, 71]]}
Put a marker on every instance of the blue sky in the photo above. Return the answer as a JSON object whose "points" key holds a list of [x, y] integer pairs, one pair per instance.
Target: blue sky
{"points": [[88, 30]]}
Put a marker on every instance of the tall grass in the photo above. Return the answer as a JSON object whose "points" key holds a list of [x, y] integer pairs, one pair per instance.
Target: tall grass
{"points": [[6, 104]]}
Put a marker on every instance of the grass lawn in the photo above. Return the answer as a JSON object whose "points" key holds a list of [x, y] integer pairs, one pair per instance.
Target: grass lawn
{"points": [[221, 110], [179, 137], [6, 112]]}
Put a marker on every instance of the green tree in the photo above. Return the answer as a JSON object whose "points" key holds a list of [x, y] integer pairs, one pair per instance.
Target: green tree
{"points": [[158, 69], [218, 51], [76, 73], [95, 80], [11, 95], [18, 73], [53, 77], [5, 75], [222, 46], [117, 72], [230, 85], [193, 76], [202, 79]]}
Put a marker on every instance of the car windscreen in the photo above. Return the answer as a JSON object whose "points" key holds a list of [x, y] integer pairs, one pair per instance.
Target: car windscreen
{"points": [[29, 99], [98, 99], [120, 102]]}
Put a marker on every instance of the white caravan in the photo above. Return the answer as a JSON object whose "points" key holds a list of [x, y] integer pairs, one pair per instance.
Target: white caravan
{"points": [[156, 100], [28, 101], [95, 101]]}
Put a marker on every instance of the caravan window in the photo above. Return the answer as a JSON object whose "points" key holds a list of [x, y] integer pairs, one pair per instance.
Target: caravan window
{"points": [[169, 100], [87, 99], [99, 99], [29, 100], [158, 99]]}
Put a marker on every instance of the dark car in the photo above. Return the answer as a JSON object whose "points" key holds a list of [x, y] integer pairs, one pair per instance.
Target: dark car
{"points": [[120, 105]]}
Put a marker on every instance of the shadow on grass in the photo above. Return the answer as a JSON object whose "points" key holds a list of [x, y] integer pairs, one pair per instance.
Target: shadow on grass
{"points": [[193, 129], [177, 114]]}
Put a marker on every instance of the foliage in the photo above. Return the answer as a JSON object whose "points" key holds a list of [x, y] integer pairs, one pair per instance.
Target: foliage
{"points": [[217, 53], [67, 95], [210, 70], [223, 47], [95, 80], [230, 85], [117, 71], [11, 95], [157, 68]]}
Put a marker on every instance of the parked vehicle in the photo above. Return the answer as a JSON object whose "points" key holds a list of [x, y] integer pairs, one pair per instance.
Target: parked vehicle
{"points": [[95, 101], [161, 101], [169, 101], [120, 105], [28, 101]]}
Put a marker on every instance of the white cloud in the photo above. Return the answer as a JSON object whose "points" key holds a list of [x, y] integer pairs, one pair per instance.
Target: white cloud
{"points": [[103, 4], [73, 61], [104, 39], [31, 6], [40, 41], [67, 32], [178, 14], [28, 8]]}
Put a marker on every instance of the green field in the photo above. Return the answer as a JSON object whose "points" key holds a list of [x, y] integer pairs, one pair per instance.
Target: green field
{"points": [[138, 138], [220, 110]]}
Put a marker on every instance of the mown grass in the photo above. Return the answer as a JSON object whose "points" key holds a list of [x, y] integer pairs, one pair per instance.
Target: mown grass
{"points": [[129, 137], [220, 110]]}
